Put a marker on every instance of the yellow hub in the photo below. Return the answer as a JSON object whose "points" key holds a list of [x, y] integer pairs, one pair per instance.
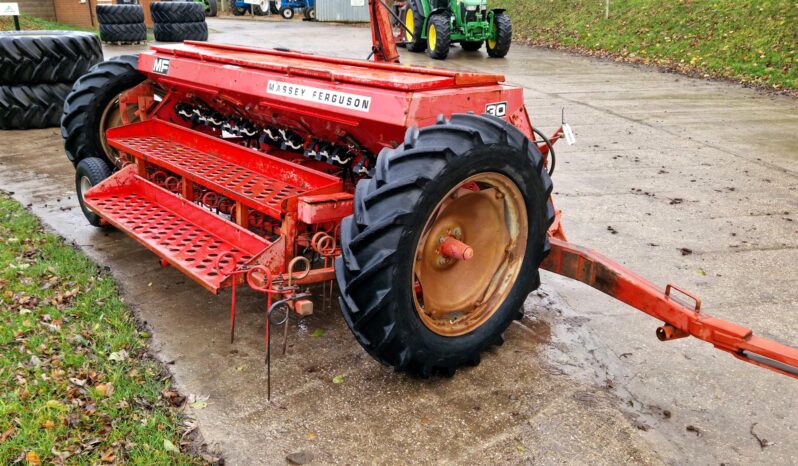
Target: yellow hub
{"points": [[432, 36], [492, 42], [411, 26], [487, 213]]}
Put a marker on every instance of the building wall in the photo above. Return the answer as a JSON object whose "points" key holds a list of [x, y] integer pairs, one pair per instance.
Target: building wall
{"points": [[39, 8], [345, 11], [83, 13]]}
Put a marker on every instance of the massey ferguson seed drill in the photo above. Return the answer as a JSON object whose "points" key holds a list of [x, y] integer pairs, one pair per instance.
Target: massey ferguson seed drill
{"points": [[423, 194]]}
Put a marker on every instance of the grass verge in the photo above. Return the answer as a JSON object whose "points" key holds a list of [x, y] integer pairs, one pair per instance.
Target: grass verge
{"points": [[749, 41], [27, 22], [76, 383]]}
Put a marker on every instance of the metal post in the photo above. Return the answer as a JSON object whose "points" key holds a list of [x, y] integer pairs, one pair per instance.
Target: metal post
{"points": [[607, 9], [16, 22]]}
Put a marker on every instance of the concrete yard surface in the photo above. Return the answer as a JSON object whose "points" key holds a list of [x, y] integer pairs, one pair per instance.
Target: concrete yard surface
{"points": [[686, 181]]}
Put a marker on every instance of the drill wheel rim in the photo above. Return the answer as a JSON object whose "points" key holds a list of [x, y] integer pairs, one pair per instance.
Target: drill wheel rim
{"points": [[474, 295]]}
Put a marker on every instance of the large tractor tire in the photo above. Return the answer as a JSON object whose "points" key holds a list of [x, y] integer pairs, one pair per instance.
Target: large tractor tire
{"points": [[503, 29], [38, 57], [120, 14], [179, 32], [123, 33], [93, 107], [404, 294], [414, 21], [438, 36], [177, 12], [211, 8], [32, 106], [89, 172]]}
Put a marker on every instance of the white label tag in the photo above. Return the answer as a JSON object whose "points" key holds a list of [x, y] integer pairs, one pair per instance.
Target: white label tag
{"points": [[357, 3], [9, 9], [361, 103], [569, 134]]}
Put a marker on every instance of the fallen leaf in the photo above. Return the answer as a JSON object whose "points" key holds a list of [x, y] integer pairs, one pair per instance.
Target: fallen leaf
{"points": [[105, 389], [300, 457], [199, 405], [32, 458], [338, 379], [317, 333], [120, 355], [48, 424], [311, 436], [169, 446]]}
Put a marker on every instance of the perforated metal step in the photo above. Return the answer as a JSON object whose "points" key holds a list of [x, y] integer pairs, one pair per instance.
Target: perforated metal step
{"points": [[188, 237], [258, 180]]}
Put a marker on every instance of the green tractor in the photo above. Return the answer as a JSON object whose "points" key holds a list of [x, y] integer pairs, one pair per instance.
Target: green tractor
{"points": [[434, 25]]}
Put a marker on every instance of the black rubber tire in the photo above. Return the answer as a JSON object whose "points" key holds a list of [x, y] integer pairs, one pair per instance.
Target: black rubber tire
{"points": [[237, 11], [125, 33], [471, 46], [273, 7], [257, 10], [374, 273], [211, 8], [120, 14], [39, 57], [416, 44], [287, 13], [178, 32], [177, 12], [504, 36], [95, 170], [91, 94], [32, 106], [440, 49], [310, 14]]}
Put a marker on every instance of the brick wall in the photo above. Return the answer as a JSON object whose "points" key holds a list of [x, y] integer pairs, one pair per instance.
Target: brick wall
{"points": [[83, 12], [39, 8], [76, 12]]}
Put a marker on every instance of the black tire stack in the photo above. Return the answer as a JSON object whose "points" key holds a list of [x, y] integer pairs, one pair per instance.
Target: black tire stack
{"points": [[37, 70], [122, 24], [179, 21]]}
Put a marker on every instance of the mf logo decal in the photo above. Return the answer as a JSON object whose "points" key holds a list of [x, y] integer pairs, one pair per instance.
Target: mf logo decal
{"points": [[161, 66], [498, 109]]}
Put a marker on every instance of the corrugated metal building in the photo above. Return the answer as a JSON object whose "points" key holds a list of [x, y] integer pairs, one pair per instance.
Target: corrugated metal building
{"points": [[345, 11]]}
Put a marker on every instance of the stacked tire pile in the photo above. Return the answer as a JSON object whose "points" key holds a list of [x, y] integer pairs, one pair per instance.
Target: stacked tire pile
{"points": [[123, 24], [37, 70], [179, 21]]}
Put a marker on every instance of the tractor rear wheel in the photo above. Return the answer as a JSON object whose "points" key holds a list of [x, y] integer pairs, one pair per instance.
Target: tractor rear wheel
{"points": [[90, 172], [503, 30], [444, 244], [414, 22], [92, 107], [438, 36]]}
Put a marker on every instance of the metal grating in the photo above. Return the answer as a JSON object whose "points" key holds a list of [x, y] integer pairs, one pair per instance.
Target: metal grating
{"points": [[188, 237], [251, 187]]}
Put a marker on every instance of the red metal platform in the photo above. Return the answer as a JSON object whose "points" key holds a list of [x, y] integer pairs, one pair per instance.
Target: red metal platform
{"points": [[257, 180], [169, 226]]}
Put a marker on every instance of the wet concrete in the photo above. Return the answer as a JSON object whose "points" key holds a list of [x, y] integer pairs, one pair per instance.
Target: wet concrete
{"points": [[668, 162]]}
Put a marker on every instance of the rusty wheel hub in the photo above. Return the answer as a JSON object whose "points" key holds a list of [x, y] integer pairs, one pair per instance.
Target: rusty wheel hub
{"points": [[469, 254]]}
